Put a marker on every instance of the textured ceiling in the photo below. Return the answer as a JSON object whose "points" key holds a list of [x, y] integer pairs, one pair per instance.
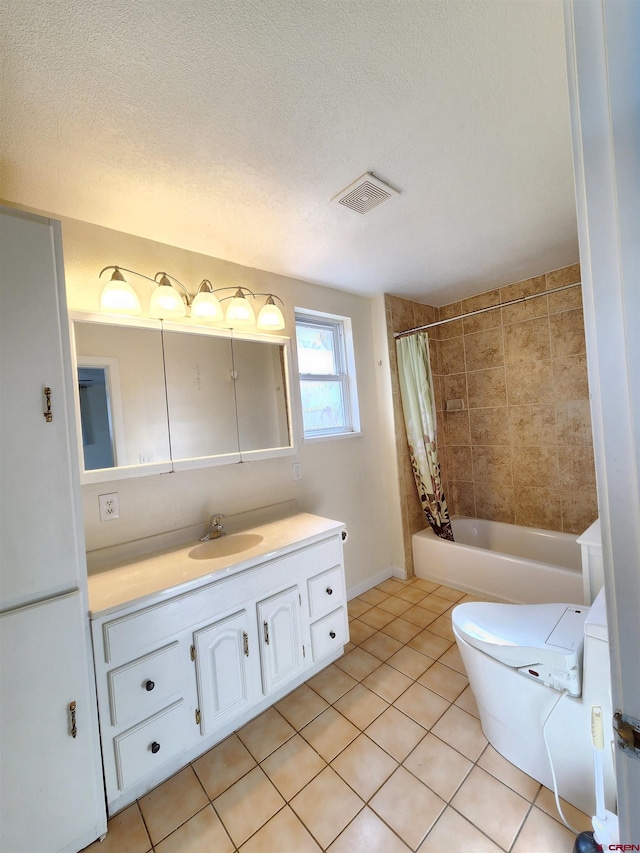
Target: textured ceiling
{"points": [[226, 126]]}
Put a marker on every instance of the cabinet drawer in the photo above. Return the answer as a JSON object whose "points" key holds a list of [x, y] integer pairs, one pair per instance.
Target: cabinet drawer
{"points": [[329, 634], [141, 687], [326, 592], [167, 733]]}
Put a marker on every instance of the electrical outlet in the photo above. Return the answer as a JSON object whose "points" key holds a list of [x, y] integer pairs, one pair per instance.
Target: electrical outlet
{"points": [[297, 470], [109, 506]]}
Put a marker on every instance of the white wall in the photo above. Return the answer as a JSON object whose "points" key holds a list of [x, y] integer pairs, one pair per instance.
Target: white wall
{"points": [[346, 479]]}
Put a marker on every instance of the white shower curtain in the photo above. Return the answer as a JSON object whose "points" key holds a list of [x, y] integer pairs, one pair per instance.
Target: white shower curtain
{"points": [[418, 405]]}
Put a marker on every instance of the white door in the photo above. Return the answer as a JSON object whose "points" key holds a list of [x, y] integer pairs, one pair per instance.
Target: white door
{"points": [[604, 90], [227, 670], [39, 513], [48, 797], [280, 640]]}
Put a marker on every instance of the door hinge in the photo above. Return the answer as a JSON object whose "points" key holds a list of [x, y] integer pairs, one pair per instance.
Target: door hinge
{"points": [[266, 632], [628, 733], [245, 642], [304, 654], [193, 652], [197, 716]]}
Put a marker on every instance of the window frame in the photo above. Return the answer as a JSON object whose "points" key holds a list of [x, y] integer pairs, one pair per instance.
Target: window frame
{"points": [[340, 328]]}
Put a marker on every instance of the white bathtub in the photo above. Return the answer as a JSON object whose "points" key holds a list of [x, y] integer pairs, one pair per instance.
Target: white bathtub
{"points": [[525, 565]]}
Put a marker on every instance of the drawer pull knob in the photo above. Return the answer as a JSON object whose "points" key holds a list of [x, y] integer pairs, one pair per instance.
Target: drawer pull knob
{"points": [[332, 634], [329, 591], [149, 686], [155, 747]]}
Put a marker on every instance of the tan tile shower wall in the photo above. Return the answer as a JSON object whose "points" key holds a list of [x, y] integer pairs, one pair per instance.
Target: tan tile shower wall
{"points": [[521, 451]]}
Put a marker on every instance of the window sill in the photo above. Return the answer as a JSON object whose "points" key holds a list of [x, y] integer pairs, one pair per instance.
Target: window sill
{"points": [[337, 435]]}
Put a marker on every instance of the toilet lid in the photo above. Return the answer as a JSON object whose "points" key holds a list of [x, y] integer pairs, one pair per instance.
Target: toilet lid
{"points": [[524, 634]]}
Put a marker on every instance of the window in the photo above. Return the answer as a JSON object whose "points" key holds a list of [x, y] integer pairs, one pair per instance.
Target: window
{"points": [[327, 374]]}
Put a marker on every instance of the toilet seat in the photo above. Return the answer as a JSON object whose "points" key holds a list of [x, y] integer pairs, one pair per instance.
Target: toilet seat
{"points": [[543, 641]]}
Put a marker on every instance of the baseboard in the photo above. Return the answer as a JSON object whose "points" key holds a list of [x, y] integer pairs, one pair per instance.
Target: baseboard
{"points": [[369, 582], [397, 572]]}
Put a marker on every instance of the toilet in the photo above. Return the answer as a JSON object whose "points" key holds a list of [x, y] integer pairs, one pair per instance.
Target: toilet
{"points": [[519, 660]]}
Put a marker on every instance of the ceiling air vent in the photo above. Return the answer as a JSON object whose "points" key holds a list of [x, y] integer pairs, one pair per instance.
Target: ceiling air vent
{"points": [[365, 194]]}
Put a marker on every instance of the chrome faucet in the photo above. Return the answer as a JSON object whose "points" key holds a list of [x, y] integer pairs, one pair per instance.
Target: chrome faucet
{"points": [[215, 527]]}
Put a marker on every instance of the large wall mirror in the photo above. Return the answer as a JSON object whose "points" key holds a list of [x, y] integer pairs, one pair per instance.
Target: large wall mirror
{"points": [[154, 397]]}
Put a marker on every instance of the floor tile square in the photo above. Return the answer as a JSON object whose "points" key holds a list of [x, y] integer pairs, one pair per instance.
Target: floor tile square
{"points": [[387, 682], [204, 831], [508, 774], [172, 803], [422, 705], [396, 733], [461, 731], [358, 663], [283, 833], [223, 765], [265, 733], [326, 806], [410, 662], [453, 659], [401, 630], [356, 607], [412, 593], [391, 586], [368, 834], [381, 645], [449, 593], [377, 617], [331, 683], [417, 615], [291, 766], [301, 706], [454, 834], [543, 834], [395, 605], [329, 733], [361, 706], [443, 628], [430, 644], [364, 766], [444, 681], [436, 604], [495, 809], [373, 596], [467, 701], [126, 833], [408, 806], [438, 766], [425, 586], [360, 631], [547, 803], [239, 820]]}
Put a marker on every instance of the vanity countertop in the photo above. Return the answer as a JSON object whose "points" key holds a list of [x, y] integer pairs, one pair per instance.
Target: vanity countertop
{"points": [[171, 570]]}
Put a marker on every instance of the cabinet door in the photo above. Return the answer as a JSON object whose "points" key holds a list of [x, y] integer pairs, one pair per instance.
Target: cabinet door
{"points": [[40, 519], [227, 670], [49, 798], [280, 642]]}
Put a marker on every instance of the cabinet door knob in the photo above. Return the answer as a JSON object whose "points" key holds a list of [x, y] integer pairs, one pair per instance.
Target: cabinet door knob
{"points": [[155, 747], [332, 634], [149, 686], [329, 591]]}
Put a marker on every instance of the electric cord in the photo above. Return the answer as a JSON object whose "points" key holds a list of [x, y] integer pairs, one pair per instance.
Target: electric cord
{"points": [[553, 773]]}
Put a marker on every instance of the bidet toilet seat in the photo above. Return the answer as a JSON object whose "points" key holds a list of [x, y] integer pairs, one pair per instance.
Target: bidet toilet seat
{"points": [[547, 637]]}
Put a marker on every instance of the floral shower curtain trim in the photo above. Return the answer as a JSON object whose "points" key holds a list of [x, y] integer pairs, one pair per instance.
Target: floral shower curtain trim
{"points": [[418, 406]]}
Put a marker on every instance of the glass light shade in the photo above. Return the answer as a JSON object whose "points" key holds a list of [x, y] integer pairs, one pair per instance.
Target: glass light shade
{"points": [[206, 308], [270, 316], [166, 302], [118, 297], [239, 312]]}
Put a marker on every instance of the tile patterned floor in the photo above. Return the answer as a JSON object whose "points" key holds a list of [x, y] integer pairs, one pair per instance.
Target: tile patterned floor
{"points": [[381, 752]]}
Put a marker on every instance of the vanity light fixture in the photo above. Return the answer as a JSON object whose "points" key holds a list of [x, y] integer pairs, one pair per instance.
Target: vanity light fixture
{"points": [[118, 297], [270, 317], [166, 302], [205, 306], [239, 313]]}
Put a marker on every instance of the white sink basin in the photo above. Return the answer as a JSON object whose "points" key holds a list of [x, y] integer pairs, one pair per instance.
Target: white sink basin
{"points": [[225, 546]]}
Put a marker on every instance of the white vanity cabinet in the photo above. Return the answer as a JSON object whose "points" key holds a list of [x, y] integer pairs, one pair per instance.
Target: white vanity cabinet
{"points": [[180, 669]]}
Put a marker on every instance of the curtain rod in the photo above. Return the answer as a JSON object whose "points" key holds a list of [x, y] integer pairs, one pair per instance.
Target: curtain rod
{"points": [[488, 308]]}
